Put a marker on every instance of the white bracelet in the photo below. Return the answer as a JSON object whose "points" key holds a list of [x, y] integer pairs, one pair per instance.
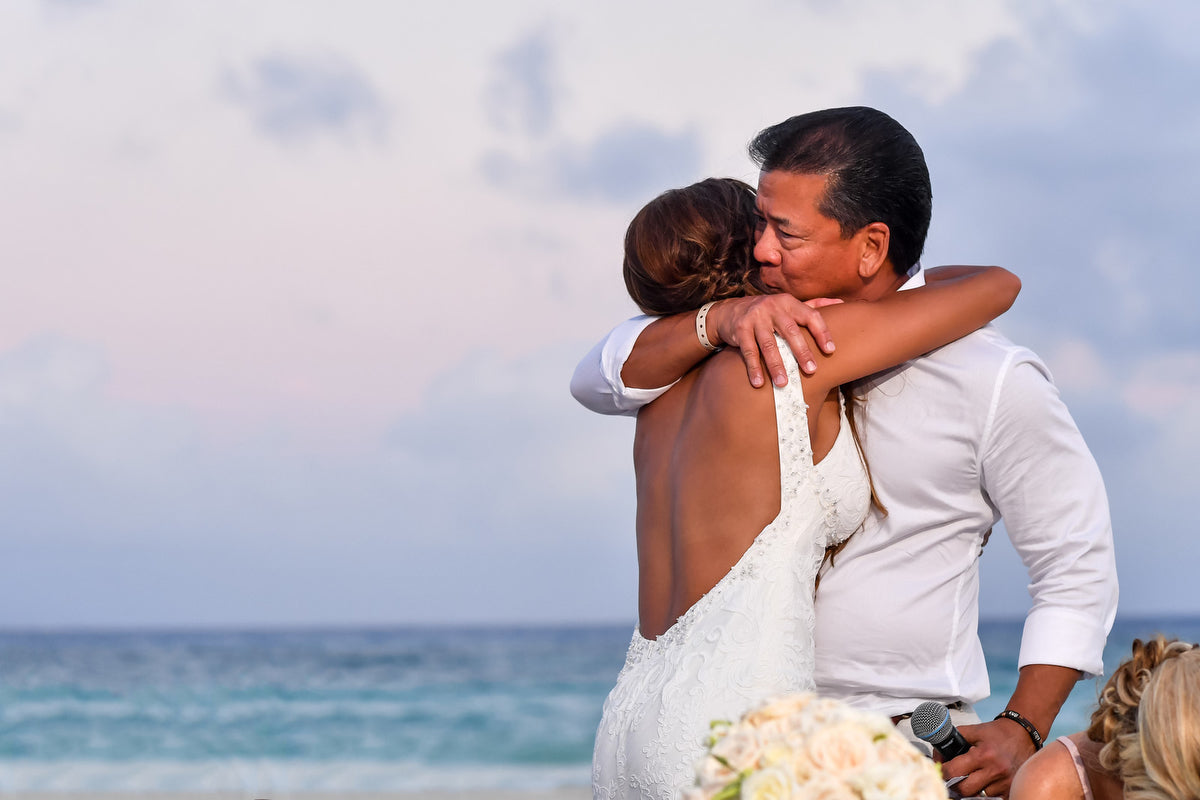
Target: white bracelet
{"points": [[702, 328]]}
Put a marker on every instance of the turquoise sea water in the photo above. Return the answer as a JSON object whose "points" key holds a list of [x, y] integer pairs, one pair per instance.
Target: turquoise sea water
{"points": [[400, 709]]}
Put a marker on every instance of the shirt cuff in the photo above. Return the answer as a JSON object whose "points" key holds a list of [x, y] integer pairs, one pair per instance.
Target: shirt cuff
{"points": [[1065, 638], [617, 348]]}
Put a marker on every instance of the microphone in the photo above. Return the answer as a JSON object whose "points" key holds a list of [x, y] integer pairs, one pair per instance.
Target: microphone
{"points": [[931, 723]]}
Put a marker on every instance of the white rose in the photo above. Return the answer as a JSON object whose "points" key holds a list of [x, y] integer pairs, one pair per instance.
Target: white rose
{"points": [[895, 749], [778, 708], [875, 723], [771, 783], [797, 735], [740, 748], [899, 782], [825, 709], [794, 761], [712, 775], [818, 715], [772, 730], [801, 766], [825, 787], [928, 786], [841, 748], [774, 753]]}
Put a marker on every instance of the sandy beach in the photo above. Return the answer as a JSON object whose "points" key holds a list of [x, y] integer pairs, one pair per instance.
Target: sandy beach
{"points": [[567, 793]]}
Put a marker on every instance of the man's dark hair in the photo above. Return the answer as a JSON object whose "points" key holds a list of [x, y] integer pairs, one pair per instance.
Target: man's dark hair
{"points": [[875, 169]]}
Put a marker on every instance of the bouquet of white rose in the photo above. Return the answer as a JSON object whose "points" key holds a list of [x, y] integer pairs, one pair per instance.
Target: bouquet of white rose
{"points": [[803, 746]]}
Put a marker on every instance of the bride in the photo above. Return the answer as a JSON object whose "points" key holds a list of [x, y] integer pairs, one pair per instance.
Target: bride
{"points": [[741, 491]]}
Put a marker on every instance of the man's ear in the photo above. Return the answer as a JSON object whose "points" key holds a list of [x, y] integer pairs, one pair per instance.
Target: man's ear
{"points": [[875, 239]]}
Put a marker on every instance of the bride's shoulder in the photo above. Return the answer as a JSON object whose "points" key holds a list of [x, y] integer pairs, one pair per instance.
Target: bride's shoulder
{"points": [[1049, 774], [725, 373], [722, 392]]}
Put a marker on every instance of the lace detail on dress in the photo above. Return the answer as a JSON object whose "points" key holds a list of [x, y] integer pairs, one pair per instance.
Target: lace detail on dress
{"points": [[748, 638]]}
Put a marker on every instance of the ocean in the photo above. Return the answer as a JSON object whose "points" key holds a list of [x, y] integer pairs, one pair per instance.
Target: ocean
{"points": [[348, 710]]}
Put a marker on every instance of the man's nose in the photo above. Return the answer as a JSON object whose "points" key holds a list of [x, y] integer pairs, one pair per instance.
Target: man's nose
{"points": [[766, 250]]}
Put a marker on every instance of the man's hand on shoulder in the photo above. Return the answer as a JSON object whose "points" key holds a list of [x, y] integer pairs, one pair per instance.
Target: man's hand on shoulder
{"points": [[750, 324]]}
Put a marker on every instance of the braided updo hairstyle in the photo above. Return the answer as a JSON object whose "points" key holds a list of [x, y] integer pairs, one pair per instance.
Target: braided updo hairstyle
{"points": [[688, 246], [1148, 720]]}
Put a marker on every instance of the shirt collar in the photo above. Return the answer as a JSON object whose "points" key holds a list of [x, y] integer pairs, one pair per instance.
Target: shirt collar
{"points": [[916, 277]]}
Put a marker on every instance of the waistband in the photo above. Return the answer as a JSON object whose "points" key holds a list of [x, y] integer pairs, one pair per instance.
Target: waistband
{"points": [[958, 705]]}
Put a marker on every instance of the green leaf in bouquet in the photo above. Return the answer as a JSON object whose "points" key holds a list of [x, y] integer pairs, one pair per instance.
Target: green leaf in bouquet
{"points": [[732, 791]]}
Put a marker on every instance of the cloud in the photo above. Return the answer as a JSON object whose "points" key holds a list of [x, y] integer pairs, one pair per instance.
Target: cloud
{"points": [[1070, 156], [71, 5], [498, 486], [630, 162], [301, 97], [520, 98], [505, 477]]}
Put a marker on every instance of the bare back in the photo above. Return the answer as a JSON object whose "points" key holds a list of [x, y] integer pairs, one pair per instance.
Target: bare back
{"points": [[706, 456]]}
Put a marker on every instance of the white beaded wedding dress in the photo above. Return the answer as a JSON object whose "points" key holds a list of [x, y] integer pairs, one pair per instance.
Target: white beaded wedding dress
{"points": [[749, 638]]}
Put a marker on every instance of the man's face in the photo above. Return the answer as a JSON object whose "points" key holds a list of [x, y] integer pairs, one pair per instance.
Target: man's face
{"points": [[801, 251]]}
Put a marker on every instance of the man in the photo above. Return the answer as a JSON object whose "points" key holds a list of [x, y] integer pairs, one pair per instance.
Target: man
{"points": [[954, 440]]}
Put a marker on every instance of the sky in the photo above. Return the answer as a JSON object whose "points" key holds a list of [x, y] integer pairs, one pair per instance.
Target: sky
{"points": [[293, 290]]}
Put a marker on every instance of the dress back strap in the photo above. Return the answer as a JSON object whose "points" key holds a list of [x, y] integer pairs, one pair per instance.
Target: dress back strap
{"points": [[791, 422]]}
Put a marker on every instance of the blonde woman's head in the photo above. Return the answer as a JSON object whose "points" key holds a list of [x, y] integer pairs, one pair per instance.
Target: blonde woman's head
{"points": [[1169, 732], [1149, 721]]}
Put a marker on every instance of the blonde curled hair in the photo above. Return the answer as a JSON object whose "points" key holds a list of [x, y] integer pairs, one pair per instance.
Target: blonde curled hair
{"points": [[1148, 721]]}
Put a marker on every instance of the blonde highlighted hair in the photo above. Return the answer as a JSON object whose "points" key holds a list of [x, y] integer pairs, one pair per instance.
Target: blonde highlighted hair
{"points": [[1148, 720]]}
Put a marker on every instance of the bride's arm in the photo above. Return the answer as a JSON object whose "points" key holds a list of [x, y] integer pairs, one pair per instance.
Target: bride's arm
{"points": [[616, 376], [881, 334], [669, 347]]}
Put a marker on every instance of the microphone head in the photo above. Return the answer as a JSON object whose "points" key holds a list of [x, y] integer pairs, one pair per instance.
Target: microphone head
{"points": [[931, 722]]}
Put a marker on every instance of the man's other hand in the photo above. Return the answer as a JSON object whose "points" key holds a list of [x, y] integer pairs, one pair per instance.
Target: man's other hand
{"points": [[997, 749], [750, 325]]}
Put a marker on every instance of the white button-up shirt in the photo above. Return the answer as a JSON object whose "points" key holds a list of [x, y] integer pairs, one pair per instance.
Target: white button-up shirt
{"points": [[955, 440]]}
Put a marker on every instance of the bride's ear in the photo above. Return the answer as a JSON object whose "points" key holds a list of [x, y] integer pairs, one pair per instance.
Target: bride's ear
{"points": [[875, 239]]}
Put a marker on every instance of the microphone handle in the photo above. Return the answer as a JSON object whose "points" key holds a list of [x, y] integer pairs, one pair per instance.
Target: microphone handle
{"points": [[954, 746]]}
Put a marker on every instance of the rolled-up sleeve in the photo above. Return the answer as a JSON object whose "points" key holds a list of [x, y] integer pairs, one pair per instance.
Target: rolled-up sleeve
{"points": [[1043, 480], [597, 383]]}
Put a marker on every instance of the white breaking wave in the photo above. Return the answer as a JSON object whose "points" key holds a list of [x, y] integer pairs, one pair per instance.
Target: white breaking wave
{"points": [[264, 776]]}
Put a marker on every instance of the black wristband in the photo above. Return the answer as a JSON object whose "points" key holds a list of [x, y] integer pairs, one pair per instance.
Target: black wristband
{"points": [[1008, 713]]}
